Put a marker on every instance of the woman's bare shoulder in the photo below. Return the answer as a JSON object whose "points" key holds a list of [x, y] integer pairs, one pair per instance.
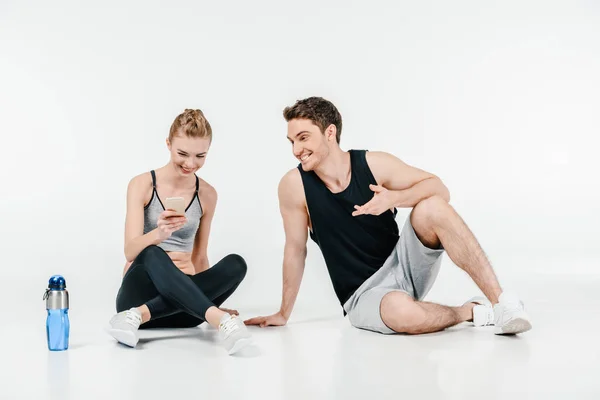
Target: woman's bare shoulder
{"points": [[207, 193]]}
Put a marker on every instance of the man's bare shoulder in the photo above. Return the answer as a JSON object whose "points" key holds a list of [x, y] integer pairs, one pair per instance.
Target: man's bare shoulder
{"points": [[291, 178], [380, 157], [382, 164], [291, 188], [394, 173]]}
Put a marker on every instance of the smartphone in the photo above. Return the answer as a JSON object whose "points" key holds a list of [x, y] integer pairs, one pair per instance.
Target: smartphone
{"points": [[176, 204]]}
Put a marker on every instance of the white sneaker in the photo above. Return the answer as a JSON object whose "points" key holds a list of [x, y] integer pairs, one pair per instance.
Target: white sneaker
{"points": [[483, 313], [509, 315], [234, 333], [124, 326]]}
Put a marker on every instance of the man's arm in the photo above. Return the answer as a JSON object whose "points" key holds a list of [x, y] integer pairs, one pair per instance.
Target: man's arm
{"points": [[399, 185], [295, 223], [413, 184]]}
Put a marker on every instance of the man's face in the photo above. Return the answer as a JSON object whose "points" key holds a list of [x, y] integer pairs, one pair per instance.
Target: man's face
{"points": [[309, 145]]}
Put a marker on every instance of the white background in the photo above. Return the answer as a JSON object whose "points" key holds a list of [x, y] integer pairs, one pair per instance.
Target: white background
{"points": [[498, 99]]}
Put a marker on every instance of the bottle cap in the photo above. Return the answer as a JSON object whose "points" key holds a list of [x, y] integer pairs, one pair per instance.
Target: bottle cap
{"points": [[57, 282]]}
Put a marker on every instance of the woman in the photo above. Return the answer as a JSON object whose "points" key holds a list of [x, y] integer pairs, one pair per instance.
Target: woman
{"points": [[167, 281]]}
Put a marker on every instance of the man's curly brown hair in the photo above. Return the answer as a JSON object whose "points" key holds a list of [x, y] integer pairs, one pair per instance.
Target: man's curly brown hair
{"points": [[320, 111]]}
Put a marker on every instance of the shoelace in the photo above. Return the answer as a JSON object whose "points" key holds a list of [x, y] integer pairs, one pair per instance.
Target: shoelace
{"points": [[229, 326], [132, 318]]}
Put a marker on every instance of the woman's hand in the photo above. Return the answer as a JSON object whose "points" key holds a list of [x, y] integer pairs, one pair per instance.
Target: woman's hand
{"points": [[169, 222]]}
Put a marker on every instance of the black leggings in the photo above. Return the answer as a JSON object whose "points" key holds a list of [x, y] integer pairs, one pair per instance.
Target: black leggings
{"points": [[177, 300]]}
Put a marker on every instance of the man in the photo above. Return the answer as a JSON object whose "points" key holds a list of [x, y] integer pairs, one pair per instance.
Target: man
{"points": [[347, 201]]}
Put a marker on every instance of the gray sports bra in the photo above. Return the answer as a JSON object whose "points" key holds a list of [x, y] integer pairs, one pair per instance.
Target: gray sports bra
{"points": [[182, 239]]}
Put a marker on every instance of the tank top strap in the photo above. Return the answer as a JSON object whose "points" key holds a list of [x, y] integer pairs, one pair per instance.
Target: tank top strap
{"points": [[153, 179], [358, 160]]}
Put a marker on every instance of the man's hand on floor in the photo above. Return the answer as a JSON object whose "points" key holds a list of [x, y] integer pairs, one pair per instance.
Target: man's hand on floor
{"points": [[276, 319]]}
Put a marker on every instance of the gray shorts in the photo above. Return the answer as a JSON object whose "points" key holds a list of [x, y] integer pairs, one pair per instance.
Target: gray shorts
{"points": [[411, 268]]}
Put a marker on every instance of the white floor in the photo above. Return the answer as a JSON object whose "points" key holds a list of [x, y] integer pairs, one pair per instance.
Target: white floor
{"points": [[318, 355]]}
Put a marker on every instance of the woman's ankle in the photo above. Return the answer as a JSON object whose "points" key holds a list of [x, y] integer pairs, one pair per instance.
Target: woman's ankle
{"points": [[213, 316], [145, 311]]}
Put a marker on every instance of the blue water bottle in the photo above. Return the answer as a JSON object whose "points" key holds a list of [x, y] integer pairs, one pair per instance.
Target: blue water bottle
{"points": [[57, 304]]}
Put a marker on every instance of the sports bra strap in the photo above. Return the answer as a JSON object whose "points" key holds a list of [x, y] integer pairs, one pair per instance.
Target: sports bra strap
{"points": [[154, 179]]}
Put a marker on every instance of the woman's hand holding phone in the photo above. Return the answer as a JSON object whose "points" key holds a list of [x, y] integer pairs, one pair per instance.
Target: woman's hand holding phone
{"points": [[168, 222]]}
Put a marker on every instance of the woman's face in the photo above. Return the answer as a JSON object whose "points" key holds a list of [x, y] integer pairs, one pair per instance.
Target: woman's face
{"points": [[187, 153]]}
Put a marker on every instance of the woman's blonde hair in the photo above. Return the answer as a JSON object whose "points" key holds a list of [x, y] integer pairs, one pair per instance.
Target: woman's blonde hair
{"points": [[191, 123]]}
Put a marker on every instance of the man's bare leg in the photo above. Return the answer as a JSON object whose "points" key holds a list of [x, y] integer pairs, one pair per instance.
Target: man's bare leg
{"points": [[403, 314], [435, 221]]}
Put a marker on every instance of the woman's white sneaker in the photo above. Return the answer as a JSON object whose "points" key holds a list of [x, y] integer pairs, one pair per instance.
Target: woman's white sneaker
{"points": [[234, 334], [124, 326]]}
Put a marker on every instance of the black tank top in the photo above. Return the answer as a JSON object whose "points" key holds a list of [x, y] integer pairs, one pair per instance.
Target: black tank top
{"points": [[354, 248]]}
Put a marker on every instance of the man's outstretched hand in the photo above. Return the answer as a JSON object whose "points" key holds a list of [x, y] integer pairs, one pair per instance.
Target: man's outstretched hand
{"points": [[382, 201], [276, 319]]}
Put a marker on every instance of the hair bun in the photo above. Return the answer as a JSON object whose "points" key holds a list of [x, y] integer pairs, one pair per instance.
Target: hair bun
{"points": [[190, 115], [193, 123]]}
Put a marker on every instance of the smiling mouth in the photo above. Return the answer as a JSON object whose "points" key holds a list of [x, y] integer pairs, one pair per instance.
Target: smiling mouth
{"points": [[305, 157], [185, 170]]}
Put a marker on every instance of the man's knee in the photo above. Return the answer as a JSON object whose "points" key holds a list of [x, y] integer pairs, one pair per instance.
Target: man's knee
{"points": [[237, 266], [400, 312], [429, 210], [426, 216]]}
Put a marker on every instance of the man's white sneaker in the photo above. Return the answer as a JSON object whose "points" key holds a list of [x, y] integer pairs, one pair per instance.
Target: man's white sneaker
{"points": [[234, 333], [124, 326], [509, 315], [483, 313]]}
